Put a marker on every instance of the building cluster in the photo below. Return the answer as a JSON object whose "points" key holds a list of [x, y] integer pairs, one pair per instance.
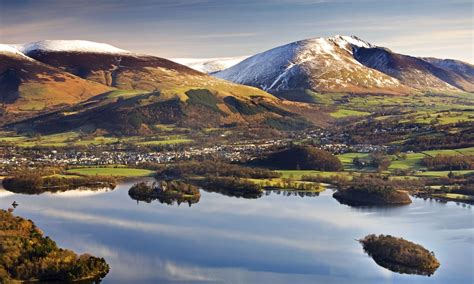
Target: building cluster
{"points": [[230, 152]]}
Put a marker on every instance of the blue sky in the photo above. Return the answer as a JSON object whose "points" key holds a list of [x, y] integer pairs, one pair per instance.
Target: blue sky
{"points": [[217, 28]]}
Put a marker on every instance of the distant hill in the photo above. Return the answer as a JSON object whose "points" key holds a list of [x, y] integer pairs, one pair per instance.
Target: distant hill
{"points": [[210, 65]]}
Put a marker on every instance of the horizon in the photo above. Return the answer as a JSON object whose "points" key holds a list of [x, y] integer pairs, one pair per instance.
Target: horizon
{"points": [[212, 29]]}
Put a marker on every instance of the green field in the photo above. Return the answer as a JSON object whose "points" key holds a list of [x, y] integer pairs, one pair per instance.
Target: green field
{"points": [[411, 162], [341, 113], [124, 93], [347, 158], [454, 197], [117, 172], [443, 173]]}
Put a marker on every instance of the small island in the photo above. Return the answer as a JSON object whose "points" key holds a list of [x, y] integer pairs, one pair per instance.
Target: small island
{"points": [[28, 256], [167, 192], [399, 255], [37, 182], [370, 191]]}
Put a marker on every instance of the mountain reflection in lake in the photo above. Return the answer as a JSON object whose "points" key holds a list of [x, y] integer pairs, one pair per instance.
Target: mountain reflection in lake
{"points": [[273, 239]]}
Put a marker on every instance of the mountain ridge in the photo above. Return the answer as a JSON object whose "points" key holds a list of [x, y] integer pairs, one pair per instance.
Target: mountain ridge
{"points": [[140, 91], [346, 64]]}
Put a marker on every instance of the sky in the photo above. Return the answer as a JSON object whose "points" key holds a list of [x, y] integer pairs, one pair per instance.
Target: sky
{"points": [[222, 28]]}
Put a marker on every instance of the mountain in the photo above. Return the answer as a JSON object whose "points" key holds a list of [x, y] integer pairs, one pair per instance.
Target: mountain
{"points": [[418, 73], [321, 65], [147, 90], [29, 86], [210, 65], [109, 65], [344, 64]]}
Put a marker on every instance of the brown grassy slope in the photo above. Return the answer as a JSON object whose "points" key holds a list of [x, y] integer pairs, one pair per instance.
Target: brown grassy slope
{"points": [[141, 72], [28, 85]]}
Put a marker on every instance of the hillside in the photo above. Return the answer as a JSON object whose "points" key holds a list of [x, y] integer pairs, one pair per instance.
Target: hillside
{"points": [[140, 113], [28, 86], [148, 91], [124, 70], [421, 74]]}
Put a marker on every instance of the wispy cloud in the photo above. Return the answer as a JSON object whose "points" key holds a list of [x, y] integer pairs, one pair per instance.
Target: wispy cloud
{"points": [[215, 28]]}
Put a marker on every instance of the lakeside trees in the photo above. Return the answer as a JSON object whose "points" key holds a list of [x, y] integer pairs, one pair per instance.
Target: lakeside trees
{"points": [[442, 162], [33, 182], [26, 255]]}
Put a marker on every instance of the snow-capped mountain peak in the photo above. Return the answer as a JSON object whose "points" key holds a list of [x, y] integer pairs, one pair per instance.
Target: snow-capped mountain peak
{"points": [[209, 65], [69, 46], [321, 64]]}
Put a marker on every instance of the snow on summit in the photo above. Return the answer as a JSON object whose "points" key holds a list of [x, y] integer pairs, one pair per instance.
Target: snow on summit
{"points": [[10, 49], [69, 46], [320, 64], [6, 48]]}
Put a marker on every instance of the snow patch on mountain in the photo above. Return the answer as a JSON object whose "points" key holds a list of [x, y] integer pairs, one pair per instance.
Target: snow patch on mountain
{"points": [[209, 65], [12, 50], [352, 40], [69, 46]]}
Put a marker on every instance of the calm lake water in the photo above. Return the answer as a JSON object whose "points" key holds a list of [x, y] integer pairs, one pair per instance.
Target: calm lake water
{"points": [[274, 239]]}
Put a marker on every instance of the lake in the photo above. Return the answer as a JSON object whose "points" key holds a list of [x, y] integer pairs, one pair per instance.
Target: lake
{"points": [[274, 239]]}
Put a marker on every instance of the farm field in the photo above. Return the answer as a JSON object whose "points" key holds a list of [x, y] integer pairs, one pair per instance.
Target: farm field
{"points": [[76, 139], [341, 113], [298, 174], [408, 161]]}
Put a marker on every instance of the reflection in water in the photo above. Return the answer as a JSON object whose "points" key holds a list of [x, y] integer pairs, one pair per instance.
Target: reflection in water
{"points": [[232, 193], [273, 239], [81, 191], [5, 193]]}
